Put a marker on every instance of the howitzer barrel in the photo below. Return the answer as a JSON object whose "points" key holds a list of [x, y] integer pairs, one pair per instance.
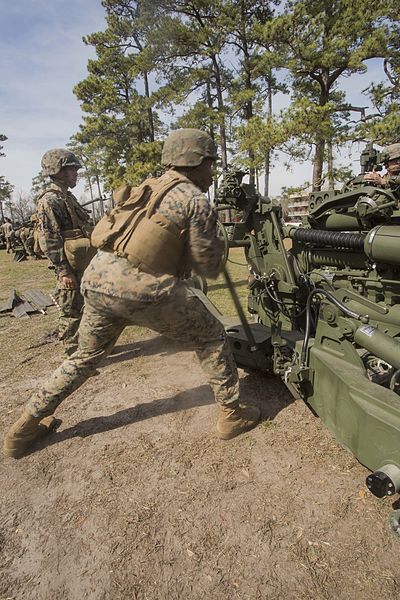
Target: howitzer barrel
{"points": [[350, 241], [339, 258], [383, 244]]}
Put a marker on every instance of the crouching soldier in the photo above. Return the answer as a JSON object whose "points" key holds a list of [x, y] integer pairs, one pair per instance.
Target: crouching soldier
{"points": [[148, 240]]}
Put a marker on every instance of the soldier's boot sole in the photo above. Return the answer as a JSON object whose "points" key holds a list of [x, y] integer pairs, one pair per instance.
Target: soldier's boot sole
{"points": [[233, 421], [26, 432]]}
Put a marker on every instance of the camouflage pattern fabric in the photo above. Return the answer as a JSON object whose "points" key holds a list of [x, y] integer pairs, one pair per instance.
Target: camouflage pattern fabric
{"points": [[9, 235], [180, 316], [191, 211], [25, 235], [30, 244], [57, 158], [187, 147], [118, 294], [70, 304], [9, 243], [394, 184], [7, 229], [54, 218]]}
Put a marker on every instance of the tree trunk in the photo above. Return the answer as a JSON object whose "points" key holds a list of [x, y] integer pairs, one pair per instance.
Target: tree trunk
{"points": [[318, 163], [221, 112], [331, 179], [100, 195], [248, 79], [90, 186], [266, 174], [11, 212], [149, 109], [267, 161]]}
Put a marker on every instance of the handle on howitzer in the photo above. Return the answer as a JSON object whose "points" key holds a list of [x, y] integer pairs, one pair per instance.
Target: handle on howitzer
{"points": [[240, 312]]}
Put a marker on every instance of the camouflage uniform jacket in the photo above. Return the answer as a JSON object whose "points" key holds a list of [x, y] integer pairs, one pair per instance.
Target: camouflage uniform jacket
{"points": [[190, 210], [54, 218]]}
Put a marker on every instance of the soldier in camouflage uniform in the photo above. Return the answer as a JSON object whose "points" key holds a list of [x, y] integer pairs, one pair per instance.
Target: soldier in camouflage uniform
{"points": [[37, 251], [9, 234], [26, 237], [61, 218], [119, 292], [392, 163]]}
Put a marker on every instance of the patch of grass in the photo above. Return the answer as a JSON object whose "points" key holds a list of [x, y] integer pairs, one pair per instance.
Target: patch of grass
{"points": [[268, 424], [27, 274], [217, 290], [24, 275]]}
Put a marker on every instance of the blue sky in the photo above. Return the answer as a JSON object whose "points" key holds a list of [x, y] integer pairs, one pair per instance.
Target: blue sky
{"points": [[42, 57]]}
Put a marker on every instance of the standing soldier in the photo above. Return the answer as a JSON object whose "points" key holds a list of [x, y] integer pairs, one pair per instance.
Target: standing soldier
{"points": [[64, 236], [37, 251], [165, 226], [9, 234], [26, 235]]}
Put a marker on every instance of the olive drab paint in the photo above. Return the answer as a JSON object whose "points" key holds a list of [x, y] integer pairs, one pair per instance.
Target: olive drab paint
{"points": [[328, 309]]}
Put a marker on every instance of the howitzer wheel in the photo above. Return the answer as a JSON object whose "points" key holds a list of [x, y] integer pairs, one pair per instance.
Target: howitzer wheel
{"points": [[223, 235], [394, 523]]}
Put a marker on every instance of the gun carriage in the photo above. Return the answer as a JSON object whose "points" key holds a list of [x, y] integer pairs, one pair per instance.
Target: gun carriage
{"points": [[326, 300]]}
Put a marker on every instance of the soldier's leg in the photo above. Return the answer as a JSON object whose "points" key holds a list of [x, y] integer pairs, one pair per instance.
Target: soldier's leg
{"points": [[184, 318], [70, 304], [98, 334]]}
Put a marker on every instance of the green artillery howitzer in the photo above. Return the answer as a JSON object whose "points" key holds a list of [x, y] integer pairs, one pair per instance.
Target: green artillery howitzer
{"points": [[326, 297]]}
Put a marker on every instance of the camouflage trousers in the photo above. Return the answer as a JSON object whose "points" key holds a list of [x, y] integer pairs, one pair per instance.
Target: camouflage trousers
{"points": [[182, 316], [9, 244], [70, 305]]}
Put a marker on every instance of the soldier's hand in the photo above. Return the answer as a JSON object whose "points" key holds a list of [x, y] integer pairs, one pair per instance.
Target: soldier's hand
{"points": [[373, 177], [69, 282]]}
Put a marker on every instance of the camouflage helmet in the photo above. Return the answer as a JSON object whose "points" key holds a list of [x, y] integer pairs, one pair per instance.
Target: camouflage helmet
{"points": [[187, 148], [54, 160], [392, 152]]}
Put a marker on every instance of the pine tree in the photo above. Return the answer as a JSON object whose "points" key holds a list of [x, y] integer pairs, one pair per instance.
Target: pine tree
{"points": [[120, 124], [324, 41]]}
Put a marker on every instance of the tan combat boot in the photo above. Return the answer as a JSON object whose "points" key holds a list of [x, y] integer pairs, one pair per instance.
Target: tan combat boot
{"points": [[235, 419], [25, 432]]}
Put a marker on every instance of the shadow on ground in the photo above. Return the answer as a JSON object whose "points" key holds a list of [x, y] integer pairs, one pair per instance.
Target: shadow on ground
{"points": [[149, 347], [255, 389]]}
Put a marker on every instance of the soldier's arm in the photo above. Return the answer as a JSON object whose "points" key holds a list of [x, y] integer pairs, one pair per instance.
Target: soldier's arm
{"points": [[205, 248], [50, 238], [394, 183]]}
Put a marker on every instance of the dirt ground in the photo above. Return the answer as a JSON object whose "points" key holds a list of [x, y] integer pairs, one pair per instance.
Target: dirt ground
{"points": [[135, 499]]}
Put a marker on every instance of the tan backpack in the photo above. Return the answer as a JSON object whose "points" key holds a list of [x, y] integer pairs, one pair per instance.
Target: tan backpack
{"points": [[135, 213]]}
